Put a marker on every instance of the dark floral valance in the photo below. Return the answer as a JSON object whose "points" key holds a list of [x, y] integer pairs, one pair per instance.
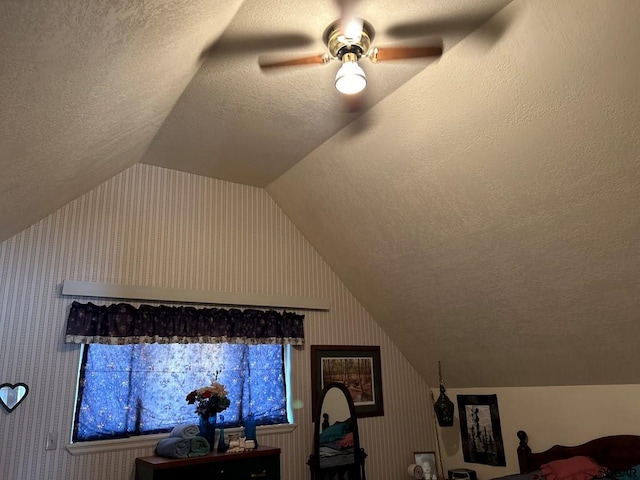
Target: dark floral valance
{"points": [[121, 323]]}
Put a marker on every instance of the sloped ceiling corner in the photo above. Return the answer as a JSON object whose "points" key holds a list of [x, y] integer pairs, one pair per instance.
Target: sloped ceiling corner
{"points": [[239, 123], [84, 86], [497, 231]]}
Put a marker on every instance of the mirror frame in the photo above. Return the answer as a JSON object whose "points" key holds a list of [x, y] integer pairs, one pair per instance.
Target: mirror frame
{"points": [[358, 453], [13, 387]]}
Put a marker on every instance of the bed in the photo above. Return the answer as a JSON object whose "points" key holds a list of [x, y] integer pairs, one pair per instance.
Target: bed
{"points": [[618, 456]]}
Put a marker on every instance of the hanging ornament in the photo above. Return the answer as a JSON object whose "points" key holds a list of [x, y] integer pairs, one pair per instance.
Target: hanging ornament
{"points": [[443, 406]]}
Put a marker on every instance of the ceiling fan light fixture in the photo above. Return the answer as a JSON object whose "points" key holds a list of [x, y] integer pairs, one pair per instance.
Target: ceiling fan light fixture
{"points": [[350, 78]]}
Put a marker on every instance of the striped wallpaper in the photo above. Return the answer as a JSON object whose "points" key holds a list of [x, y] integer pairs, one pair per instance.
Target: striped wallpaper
{"points": [[157, 227]]}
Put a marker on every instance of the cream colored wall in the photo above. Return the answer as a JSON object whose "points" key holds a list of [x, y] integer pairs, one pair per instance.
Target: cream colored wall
{"points": [[550, 416], [157, 227]]}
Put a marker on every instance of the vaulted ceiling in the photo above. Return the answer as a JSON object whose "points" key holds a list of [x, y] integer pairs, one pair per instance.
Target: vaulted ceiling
{"points": [[483, 207]]}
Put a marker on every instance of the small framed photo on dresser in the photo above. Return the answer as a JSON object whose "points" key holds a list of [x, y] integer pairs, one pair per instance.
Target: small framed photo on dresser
{"points": [[427, 460]]}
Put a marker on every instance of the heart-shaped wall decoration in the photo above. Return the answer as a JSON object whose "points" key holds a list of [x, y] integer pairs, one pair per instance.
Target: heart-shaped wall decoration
{"points": [[12, 395]]}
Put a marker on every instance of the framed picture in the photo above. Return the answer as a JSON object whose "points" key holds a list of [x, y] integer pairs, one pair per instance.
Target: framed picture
{"points": [[357, 367], [427, 460], [480, 430]]}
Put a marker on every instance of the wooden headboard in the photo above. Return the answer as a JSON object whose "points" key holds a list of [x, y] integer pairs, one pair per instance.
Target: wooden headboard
{"points": [[617, 452]]}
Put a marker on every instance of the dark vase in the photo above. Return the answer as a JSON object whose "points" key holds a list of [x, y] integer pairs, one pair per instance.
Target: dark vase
{"points": [[250, 429], [208, 430], [222, 445]]}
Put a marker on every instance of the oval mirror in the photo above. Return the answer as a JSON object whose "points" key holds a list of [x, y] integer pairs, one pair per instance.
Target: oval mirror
{"points": [[336, 453], [12, 395]]}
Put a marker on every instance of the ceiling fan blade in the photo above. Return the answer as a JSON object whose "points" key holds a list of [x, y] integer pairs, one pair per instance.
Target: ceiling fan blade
{"points": [[397, 53], [310, 60], [256, 42], [354, 103], [462, 23], [350, 22]]}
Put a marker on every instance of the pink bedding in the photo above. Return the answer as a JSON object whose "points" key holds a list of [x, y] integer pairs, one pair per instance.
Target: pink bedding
{"points": [[574, 468]]}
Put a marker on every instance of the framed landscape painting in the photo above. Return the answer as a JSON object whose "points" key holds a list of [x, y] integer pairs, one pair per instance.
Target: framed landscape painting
{"points": [[356, 367]]}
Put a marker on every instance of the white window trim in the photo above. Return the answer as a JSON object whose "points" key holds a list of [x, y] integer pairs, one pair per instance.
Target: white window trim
{"points": [[144, 441]]}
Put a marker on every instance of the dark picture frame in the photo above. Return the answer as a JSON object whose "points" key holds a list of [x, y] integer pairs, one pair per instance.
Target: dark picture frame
{"points": [[480, 430], [357, 367]]}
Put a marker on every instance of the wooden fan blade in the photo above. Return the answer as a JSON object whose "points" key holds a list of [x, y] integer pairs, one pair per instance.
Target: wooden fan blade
{"points": [[350, 22], [311, 60], [398, 53], [353, 103]]}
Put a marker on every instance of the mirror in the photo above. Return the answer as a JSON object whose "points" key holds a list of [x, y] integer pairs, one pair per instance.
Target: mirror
{"points": [[336, 444], [12, 395]]}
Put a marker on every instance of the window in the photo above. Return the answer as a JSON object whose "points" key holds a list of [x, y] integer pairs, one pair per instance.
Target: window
{"points": [[128, 390]]}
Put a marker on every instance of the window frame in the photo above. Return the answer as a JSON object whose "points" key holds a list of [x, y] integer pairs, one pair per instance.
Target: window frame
{"points": [[150, 440]]}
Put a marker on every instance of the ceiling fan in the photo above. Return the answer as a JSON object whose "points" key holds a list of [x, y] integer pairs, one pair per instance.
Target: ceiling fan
{"points": [[349, 40]]}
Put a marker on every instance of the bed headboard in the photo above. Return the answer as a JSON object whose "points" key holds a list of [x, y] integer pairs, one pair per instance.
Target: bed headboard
{"points": [[617, 452]]}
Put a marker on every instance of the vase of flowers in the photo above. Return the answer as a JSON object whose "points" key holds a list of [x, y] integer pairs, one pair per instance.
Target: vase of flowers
{"points": [[208, 429], [209, 401]]}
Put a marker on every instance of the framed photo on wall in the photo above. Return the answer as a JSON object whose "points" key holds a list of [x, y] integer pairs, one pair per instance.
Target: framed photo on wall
{"points": [[356, 367], [427, 460], [480, 430]]}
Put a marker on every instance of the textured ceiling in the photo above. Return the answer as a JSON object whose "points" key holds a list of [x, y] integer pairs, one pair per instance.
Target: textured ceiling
{"points": [[483, 208], [498, 230]]}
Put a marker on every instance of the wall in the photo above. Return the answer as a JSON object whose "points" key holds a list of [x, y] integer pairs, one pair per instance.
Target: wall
{"points": [[155, 227], [550, 416]]}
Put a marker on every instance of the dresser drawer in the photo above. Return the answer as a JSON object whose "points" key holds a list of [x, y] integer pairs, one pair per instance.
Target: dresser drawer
{"points": [[260, 464], [265, 468]]}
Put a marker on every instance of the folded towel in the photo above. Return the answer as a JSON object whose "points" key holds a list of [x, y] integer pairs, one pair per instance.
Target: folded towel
{"points": [[173, 447], [199, 447], [186, 430]]}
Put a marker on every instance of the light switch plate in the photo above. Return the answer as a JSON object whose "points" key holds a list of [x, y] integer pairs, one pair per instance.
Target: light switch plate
{"points": [[52, 441]]}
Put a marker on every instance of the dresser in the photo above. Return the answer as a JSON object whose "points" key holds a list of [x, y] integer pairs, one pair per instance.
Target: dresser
{"points": [[263, 463]]}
